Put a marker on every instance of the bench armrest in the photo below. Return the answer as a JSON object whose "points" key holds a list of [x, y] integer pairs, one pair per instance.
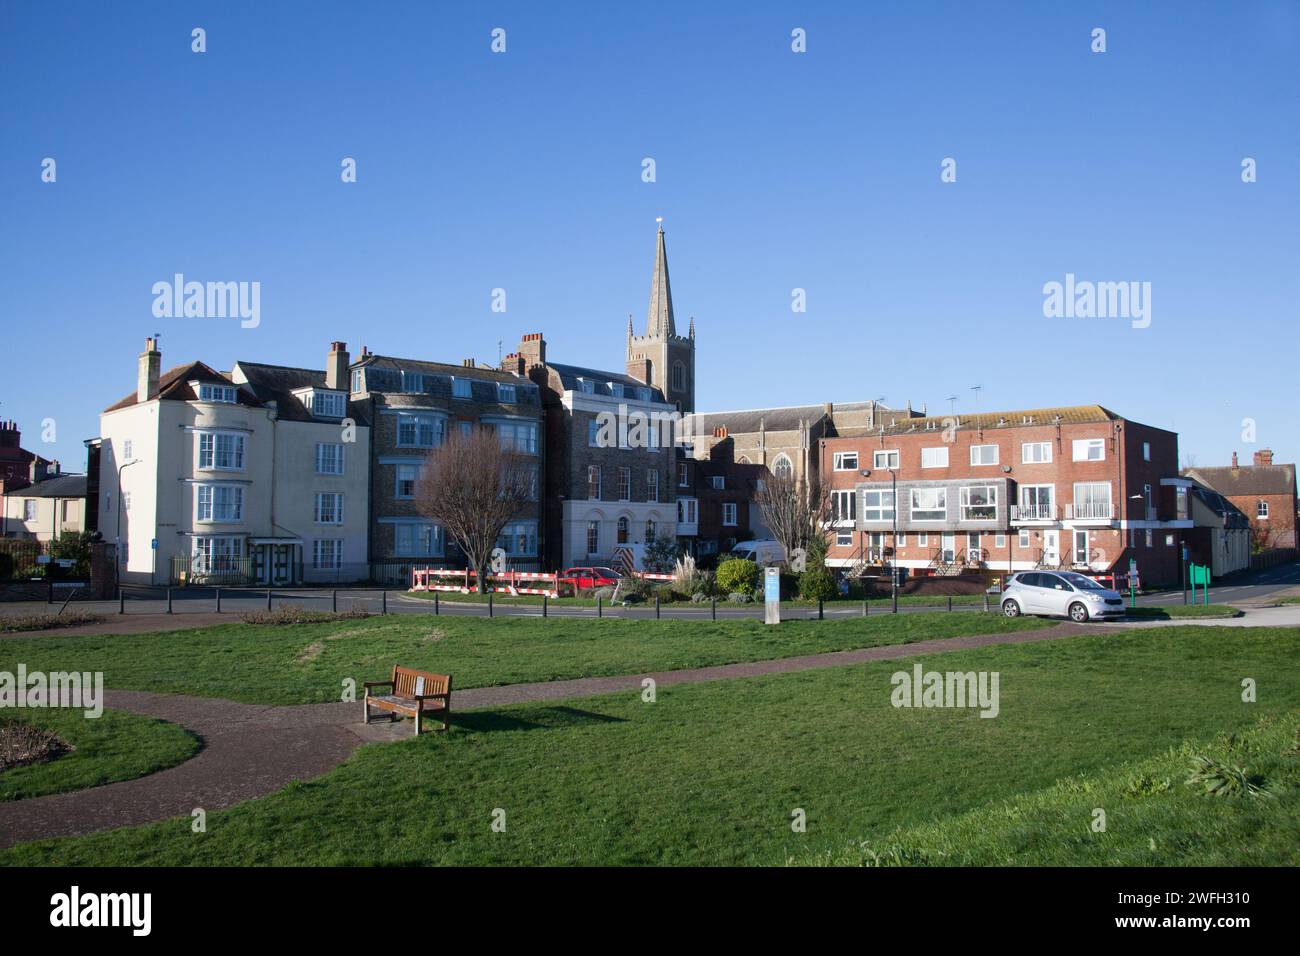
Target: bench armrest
{"points": [[376, 683], [446, 696]]}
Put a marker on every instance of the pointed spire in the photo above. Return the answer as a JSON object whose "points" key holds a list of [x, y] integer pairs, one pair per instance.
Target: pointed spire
{"points": [[692, 326], [659, 319], [629, 325]]}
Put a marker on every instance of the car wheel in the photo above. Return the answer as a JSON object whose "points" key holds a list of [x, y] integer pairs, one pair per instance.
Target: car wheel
{"points": [[1010, 609], [1078, 613]]}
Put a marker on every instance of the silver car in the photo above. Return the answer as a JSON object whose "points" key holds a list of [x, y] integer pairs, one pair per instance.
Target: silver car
{"points": [[1060, 594]]}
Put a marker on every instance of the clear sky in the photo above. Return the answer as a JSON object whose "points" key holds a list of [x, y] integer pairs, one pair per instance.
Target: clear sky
{"points": [[775, 170]]}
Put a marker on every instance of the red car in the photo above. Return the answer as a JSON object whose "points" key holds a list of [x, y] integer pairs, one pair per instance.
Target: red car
{"points": [[584, 579]]}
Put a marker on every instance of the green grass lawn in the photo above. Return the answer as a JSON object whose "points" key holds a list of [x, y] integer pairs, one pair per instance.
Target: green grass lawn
{"points": [[711, 773], [307, 663], [114, 746]]}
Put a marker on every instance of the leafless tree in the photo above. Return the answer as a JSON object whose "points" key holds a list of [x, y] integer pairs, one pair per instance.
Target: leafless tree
{"points": [[794, 510], [1262, 537], [472, 487]]}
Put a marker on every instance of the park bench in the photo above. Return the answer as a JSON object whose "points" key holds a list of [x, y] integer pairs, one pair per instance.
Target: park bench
{"points": [[413, 693]]}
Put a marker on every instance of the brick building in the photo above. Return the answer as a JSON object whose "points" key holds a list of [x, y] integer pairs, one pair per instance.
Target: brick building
{"points": [[413, 406], [1264, 492], [18, 469], [1075, 487], [719, 502]]}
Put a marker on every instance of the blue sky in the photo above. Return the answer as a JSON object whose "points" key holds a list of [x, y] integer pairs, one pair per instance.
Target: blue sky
{"points": [[775, 171]]}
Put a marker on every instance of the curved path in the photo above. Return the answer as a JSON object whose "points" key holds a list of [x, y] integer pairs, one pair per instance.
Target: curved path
{"points": [[252, 750]]}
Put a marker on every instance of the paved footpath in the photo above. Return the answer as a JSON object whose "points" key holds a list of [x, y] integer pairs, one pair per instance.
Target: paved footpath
{"points": [[252, 750]]}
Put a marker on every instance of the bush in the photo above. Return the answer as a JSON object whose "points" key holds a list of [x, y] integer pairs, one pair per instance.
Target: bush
{"points": [[603, 593], [817, 584], [661, 554], [294, 614], [737, 576], [42, 622], [739, 597], [6, 566], [699, 597]]}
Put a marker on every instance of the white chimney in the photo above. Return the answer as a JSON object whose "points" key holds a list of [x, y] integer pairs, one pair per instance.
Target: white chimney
{"points": [[148, 370]]}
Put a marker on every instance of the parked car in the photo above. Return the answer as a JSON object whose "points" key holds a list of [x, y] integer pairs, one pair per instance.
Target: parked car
{"points": [[1060, 594], [763, 552], [584, 579]]}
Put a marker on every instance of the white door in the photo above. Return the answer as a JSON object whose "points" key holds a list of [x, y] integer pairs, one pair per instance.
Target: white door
{"points": [[949, 548], [1051, 548]]}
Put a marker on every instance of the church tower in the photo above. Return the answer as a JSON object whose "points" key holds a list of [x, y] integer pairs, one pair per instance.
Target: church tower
{"points": [[661, 357]]}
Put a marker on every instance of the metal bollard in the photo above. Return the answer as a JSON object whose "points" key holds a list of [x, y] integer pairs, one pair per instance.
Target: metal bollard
{"points": [[490, 611], [218, 590], [383, 601], [713, 607], [169, 600], [986, 600], [600, 611], [435, 603], [656, 607], [950, 602], [334, 601], [865, 609], [821, 613], [543, 605], [268, 599], [121, 601]]}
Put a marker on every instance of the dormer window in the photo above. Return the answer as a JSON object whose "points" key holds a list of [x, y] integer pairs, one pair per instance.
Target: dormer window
{"points": [[461, 388], [412, 382], [217, 393], [588, 387], [505, 393], [643, 393], [616, 389], [328, 404]]}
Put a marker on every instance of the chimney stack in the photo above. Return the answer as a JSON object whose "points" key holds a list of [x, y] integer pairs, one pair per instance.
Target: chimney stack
{"points": [[1234, 459], [148, 370], [532, 349], [336, 366], [1264, 458]]}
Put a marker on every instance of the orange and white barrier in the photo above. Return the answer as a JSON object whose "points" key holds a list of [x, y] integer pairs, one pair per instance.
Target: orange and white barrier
{"points": [[509, 582]]}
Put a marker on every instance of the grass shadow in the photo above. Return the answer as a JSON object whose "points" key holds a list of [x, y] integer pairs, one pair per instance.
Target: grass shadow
{"points": [[540, 718]]}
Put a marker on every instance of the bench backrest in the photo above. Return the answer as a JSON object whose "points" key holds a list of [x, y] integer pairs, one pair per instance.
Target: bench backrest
{"points": [[407, 683]]}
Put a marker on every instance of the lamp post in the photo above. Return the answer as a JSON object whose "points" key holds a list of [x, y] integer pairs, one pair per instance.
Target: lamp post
{"points": [[117, 539], [893, 560]]}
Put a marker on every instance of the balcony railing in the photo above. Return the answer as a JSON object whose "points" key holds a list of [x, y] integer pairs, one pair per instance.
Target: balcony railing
{"points": [[1089, 511], [1034, 512]]}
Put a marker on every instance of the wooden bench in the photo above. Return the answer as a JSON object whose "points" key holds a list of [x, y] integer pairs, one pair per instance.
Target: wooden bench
{"points": [[413, 693]]}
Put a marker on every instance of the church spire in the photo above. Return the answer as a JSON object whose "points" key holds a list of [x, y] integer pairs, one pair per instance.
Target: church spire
{"points": [[659, 319]]}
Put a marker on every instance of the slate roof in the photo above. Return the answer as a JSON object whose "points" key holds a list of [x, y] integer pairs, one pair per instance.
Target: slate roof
{"points": [[1232, 515], [173, 385], [1247, 479], [276, 383], [64, 486], [748, 420], [481, 372], [569, 375]]}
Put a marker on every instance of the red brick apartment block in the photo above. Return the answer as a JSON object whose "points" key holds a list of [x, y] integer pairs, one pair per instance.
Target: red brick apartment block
{"points": [[1077, 487]]}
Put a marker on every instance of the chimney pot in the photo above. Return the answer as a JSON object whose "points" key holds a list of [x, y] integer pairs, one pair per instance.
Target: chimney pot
{"points": [[1234, 459], [1264, 458]]}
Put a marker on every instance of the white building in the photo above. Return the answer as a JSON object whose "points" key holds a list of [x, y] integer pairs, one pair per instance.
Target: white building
{"points": [[47, 509], [260, 476]]}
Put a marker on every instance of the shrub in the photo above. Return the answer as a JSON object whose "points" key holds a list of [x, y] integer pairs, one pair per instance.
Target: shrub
{"points": [[687, 576], [740, 597], [22, 743], [737, 576], [660, 554], [603, 593], [287, 614], [42, 622], [817, 584], [699, 597], [6, 566]]}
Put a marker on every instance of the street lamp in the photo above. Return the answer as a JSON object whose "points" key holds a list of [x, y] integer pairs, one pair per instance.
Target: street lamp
{"points": [[117, 539], [893, 559]]}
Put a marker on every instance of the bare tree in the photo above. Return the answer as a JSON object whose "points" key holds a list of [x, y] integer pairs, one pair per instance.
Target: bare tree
{"points": [[794, 510], [1262, 537], [472, 487]]}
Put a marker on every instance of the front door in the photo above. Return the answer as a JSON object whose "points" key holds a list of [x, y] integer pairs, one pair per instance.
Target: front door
{"points": [[1051, 548], [282, 565], [1081, 548], [949, 548]]}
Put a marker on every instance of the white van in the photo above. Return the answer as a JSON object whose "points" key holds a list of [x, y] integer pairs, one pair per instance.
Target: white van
{"points": [[763, 552]]}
